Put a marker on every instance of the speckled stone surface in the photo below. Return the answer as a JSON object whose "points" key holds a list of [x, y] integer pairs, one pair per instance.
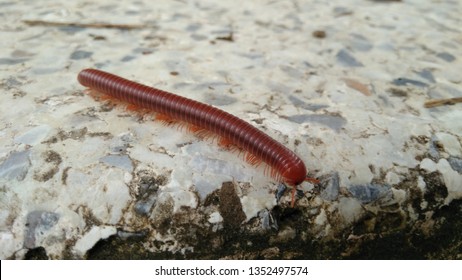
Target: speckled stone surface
{"points": [[342, 83]]}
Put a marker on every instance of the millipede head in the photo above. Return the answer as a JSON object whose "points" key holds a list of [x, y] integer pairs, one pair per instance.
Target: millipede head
{"points": [[294, 174]]}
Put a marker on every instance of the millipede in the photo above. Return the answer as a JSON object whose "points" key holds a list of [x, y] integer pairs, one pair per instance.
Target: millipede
{"points": [[284, 165]]}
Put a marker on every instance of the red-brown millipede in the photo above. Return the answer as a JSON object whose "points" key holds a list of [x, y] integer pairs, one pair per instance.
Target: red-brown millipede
{"points": [[285, 165]]}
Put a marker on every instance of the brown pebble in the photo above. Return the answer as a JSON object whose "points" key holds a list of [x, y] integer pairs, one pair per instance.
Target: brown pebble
{"points": [[320, 34]]}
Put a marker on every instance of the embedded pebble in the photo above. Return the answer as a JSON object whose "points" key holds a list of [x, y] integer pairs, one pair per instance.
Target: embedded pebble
{"points": [[120, 161], [15, 166], [332, 187], [144, 207], [77, 55], [347, 59], [127, 234], [456, 163], [12, 61], [311, 107], [427, 75], [433, 150], [369, 192], [219, 99], [38, 223], [334, 122], [342, 11], [406, 81], [446, 56], [33, 136], [281, 189], [360, 43], [267, 220]]}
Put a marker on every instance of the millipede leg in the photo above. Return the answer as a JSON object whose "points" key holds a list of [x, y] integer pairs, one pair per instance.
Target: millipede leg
{"points": [[294, 191]]}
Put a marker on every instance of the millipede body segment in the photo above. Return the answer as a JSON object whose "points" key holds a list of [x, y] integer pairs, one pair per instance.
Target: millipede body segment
{"points": [[285, 165]]}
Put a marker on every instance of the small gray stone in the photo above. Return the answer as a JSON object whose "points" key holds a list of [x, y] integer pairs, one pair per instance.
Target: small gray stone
{"points": [[267, 220], [77, 55], [280, 191], [292, 72], [302, 104], [34, 135], [427, 75], [141, 50], [120, 161], [198, 37], [456, 164], [332, 187], [360, 43], [347, 59], [127, 58], [12, 61], [342, 11], [433, 150], [334, 122], [369, 192], [406, 81], [124, 235], [219, 99], [193, 27], [15, 166], [143, 207], [37, 223], [446, 56]]}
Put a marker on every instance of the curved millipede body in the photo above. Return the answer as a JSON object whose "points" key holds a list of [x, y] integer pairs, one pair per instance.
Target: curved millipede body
{"points": [[285, 164]]}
